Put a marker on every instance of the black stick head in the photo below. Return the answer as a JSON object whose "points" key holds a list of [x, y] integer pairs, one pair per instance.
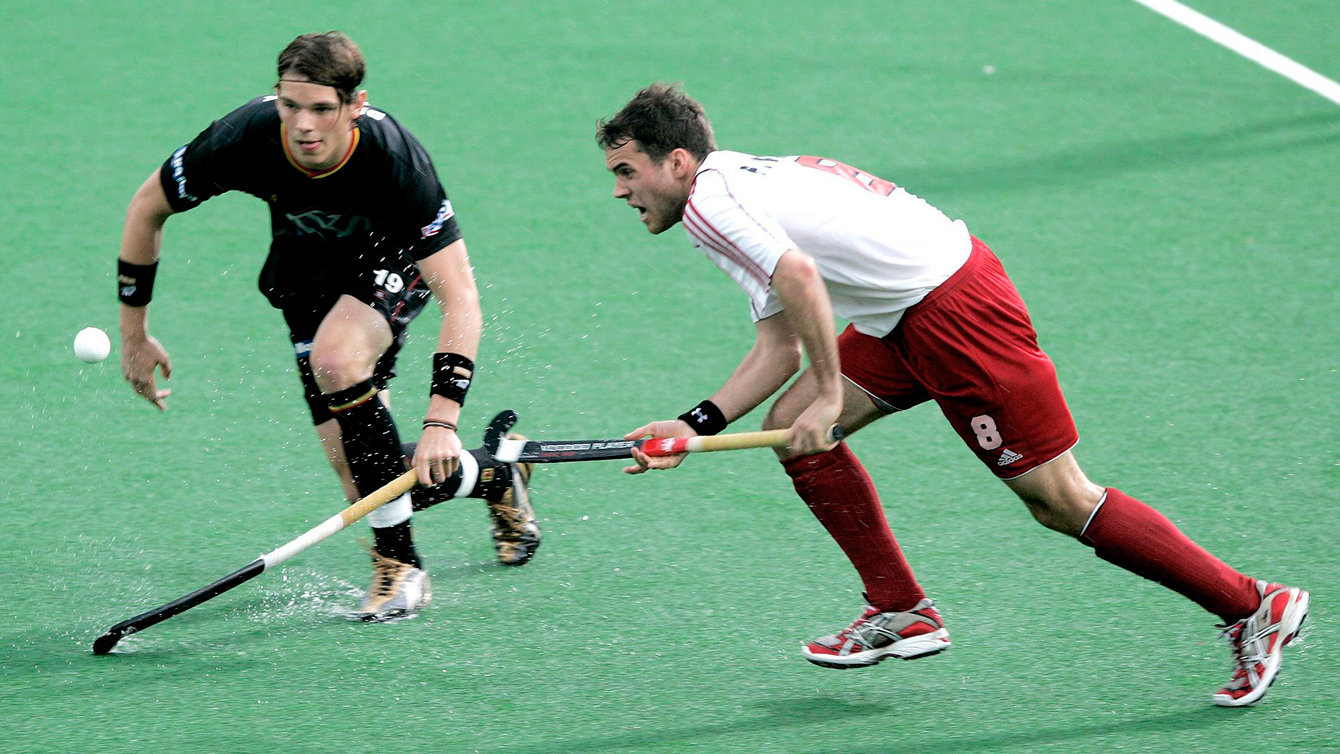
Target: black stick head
{"points": [[497, 430], [104, 643]]}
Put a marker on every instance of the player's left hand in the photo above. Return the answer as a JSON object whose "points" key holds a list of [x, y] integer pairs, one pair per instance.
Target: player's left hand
{"points": [[809, 432], [664, 428], [437, 455]]}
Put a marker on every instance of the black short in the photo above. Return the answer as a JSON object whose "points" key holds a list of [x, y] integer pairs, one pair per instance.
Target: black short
{"points": [[395, 290]]}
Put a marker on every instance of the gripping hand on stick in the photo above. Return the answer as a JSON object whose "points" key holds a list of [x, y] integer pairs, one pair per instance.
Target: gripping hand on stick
{"points": [[437, 455], [810, 433], [664, 428]]}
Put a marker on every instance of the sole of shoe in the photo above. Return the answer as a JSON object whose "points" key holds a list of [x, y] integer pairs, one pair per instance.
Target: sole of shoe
{"points": [[393, 616], [1294, 615], [526, 554], [915, 648]]}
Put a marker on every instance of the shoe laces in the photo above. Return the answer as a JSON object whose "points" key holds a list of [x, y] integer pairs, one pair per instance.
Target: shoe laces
{"points": [[507, 515], [1238, 641], [386, 573], [507, 519], [862, 629]]}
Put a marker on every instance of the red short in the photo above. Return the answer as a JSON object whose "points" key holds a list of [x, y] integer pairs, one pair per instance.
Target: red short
{"points": [[970, 346]]}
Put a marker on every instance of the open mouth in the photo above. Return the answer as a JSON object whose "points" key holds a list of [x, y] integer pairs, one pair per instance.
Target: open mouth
{"points": [[308, 147]]}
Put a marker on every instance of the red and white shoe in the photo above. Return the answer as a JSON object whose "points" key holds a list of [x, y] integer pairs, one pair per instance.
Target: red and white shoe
{"points": [[877, 636], [1258, 641]]}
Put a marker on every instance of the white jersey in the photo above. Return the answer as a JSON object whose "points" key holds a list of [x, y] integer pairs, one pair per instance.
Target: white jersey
{"points": [[879, 249]]}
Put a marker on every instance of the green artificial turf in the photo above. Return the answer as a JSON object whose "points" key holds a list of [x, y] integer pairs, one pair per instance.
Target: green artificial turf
{"points": [[1167, 208]]}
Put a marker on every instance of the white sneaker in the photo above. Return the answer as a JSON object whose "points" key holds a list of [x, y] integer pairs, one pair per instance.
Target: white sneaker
{"points": [[398, 589], [1258, 642], [877, 636]]}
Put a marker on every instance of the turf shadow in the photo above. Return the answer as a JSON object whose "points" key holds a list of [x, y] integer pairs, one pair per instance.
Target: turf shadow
{"points": [[1100, 161], [782, 714]]}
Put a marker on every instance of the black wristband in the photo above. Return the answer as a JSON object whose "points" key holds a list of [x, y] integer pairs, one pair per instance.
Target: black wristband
{"points": [[135, 282], [444, 425], [452, 373], [705, 418]]}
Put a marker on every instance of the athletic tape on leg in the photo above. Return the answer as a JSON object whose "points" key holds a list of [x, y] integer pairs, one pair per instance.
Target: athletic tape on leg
{"points": [[469, 474], [392, 513]]}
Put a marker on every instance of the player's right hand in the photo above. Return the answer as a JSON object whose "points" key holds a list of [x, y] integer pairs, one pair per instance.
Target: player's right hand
{"points": [[437, 455], [141, 356], [664, 428]]}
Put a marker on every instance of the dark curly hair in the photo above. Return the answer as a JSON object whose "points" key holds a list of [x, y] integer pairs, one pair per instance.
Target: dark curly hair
{"points": [[661, 118], [330, 59]]}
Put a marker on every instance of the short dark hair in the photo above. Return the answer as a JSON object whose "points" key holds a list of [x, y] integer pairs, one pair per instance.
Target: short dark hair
{"points": [[330, 59], [661, 118]]}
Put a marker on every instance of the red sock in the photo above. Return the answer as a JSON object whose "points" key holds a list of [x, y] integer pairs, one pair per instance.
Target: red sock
{"points": [[1130, 534], [839, 492]]}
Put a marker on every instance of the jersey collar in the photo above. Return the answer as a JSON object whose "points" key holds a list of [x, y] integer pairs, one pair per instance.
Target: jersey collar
{"points": [[283, 138]]}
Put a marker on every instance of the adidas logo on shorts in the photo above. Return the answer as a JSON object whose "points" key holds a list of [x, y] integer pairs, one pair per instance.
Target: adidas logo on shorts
{"points": [[1008, 457]]}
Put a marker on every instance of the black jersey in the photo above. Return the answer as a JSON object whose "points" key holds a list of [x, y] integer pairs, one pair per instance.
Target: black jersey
{"points": [[383, 204]]}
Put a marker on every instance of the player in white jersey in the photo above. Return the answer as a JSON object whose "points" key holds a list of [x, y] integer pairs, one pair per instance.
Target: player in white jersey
{"points": [[894, 247], [933, 317]]}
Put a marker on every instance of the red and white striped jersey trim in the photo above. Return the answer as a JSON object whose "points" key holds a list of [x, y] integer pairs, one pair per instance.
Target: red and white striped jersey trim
{"points": [[733, 237], [702, 229]]}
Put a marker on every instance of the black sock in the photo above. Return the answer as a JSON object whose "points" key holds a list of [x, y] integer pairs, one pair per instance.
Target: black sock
{"points": [[372, 449], [494, 479], [397, 543], [371, 443]]}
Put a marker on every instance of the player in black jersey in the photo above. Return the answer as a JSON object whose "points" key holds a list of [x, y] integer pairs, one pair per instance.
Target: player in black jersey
{"points": [[363, 236]]}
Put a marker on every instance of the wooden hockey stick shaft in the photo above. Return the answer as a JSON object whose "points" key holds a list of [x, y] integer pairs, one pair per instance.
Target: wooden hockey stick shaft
{"points": [[509, 450], [321, 531], [773, 438]]}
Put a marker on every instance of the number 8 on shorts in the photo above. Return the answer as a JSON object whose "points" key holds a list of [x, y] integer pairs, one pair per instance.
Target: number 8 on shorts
{"points": [[985, 428]]}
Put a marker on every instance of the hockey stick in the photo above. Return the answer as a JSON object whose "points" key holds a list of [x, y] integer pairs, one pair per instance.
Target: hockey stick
{"points": [[344, 518], [561, 451]]}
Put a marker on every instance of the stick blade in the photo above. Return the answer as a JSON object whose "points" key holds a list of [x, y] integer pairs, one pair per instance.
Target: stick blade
{"points": [[497, 430], [125, 628], [104, 643]]}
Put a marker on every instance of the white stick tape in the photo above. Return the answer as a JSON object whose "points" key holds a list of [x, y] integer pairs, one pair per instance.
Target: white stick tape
{"points": [[308, 538], [509, 450]]}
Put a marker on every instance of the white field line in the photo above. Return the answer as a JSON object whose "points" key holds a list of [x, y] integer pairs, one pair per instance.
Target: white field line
{"points": [[1246, 47]]}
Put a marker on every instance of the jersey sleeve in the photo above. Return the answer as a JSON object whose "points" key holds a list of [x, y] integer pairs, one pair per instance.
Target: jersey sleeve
{"points": [[210, 165], [737, 234], [423, 220]]}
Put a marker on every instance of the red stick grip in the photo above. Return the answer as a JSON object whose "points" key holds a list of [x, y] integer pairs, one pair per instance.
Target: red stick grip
{"points": [[665, 446]]}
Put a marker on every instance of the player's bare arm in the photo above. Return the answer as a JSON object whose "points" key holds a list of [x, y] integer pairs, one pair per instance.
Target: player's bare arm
{"points": [[452, 281], [774, 359], [810, 314], [141, 354]]}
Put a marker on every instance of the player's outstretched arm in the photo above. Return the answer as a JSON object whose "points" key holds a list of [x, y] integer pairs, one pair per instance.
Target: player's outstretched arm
{"points": [[452, 281], [141, 354], [774, 359], [809, 312]]}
